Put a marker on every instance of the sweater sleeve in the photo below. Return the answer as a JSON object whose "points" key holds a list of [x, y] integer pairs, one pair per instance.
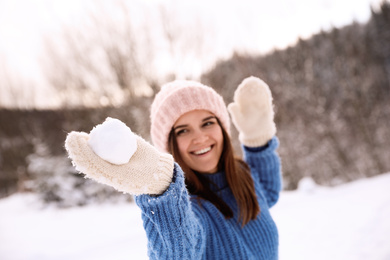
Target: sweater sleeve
{"points": [[172, 229], [266, 168]]}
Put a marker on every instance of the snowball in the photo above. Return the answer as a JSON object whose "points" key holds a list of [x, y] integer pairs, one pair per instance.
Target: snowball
{"points": [[113, 141]]}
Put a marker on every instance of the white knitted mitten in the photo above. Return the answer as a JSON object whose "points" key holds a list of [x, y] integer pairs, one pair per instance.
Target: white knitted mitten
{"points": [[252, 112], [141, 170]]}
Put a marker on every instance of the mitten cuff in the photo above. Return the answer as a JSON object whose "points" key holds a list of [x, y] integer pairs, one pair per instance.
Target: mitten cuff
{"points": [[163, 175], [259, 140]]}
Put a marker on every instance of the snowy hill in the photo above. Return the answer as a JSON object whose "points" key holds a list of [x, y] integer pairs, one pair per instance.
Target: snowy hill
{"points": [[350, 221]]}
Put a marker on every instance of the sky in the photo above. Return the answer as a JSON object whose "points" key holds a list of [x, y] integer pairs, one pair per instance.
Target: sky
{"points": [[248, 26], [350, 221]]}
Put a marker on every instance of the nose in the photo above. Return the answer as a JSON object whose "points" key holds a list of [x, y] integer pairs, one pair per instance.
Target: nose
{"points": [[199, 137]]}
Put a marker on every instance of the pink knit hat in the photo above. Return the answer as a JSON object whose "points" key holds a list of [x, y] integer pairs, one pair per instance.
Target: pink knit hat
{"points": [[177, 98]]}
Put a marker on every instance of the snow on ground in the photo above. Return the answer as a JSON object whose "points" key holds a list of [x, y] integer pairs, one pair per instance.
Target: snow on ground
{"points": [[350, 221]]}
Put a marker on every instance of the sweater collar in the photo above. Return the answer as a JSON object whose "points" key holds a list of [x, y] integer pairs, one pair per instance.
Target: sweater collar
{"points": [[217, 181]]}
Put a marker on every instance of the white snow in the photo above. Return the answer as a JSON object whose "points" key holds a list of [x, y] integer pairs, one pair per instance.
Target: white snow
{"points": [[350, 221], [113, 141]]}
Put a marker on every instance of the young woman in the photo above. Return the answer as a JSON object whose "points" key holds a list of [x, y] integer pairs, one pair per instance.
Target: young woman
{"points": [[198, 200]]}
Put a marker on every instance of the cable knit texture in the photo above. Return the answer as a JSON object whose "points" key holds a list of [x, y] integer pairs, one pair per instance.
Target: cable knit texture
{"points": [[177, 98], [252, 112], [179, 226], [147, 172]]}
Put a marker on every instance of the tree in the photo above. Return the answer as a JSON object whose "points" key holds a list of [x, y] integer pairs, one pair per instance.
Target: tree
{"points": [[100, 62]]}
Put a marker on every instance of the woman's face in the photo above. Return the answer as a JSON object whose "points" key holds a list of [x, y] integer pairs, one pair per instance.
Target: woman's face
{"points": [[200, 140]]}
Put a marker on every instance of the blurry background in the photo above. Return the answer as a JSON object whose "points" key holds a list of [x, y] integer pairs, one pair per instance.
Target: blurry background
{"points": [[67, 65]]}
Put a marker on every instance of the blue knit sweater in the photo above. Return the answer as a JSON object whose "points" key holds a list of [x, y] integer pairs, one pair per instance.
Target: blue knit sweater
{"points": [[179, 227]]}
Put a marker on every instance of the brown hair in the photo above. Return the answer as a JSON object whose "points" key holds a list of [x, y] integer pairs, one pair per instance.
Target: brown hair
{"points": [[237, 175]]}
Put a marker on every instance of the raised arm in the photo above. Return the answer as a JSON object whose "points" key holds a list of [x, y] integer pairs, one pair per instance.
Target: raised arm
{"points": [[111, 154], [253, 115]]}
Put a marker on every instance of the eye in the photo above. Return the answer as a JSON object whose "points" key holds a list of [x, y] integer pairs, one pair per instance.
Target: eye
{"points": [[181, 132], [208, 123]]}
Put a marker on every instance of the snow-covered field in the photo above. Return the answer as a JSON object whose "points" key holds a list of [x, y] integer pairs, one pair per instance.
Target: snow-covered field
{"points": [[351, 221]]}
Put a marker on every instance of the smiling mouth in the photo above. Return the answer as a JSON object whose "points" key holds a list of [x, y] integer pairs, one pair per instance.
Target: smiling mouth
{"points": [[202, 151]]}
